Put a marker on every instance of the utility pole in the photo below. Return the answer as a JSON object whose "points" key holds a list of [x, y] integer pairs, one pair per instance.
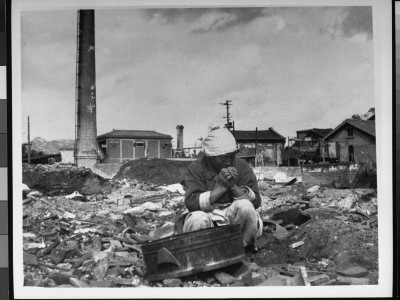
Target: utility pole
{"points": [[29, 143], [228, 124]]}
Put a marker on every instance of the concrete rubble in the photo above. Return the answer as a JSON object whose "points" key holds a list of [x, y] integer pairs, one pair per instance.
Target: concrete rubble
{"points": [[77, 237]]}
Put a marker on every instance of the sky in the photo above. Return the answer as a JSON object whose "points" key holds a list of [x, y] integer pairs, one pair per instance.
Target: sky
{"points": [[290, 68]]}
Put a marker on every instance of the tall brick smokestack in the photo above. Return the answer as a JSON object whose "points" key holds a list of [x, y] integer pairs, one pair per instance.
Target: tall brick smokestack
{"points": [[179, 137], [87, 151]]}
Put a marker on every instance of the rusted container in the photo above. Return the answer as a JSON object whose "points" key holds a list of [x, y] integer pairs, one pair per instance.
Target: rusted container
{"points": [[193, 252]]}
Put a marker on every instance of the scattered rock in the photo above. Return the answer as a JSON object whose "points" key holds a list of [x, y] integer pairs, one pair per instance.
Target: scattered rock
{"points": [[30, 259], [151, 206], [262, 185], [277, 281], [100, 271], [115, 271], [100, 255], [297, 244], [135, 210], [34, 194], [166, 214], [356, 271], [92, 186], [318, 279], [166, 230], [224, 278], [175, 282], [29, 246], [102, 283], [347, 203], [280, 232], [261, 242], [60, 278], [313, 189], [57, 255], [341, 280], [78, 283]]}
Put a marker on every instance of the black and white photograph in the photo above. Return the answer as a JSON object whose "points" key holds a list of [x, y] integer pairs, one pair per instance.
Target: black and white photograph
{"points": [[223, 149]]}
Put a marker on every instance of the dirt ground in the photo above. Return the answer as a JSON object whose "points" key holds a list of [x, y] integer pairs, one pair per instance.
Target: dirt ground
{"points": [[95, 240]]}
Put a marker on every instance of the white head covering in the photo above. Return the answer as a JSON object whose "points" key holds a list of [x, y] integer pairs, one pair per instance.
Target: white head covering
{"points": [[219, 142]]}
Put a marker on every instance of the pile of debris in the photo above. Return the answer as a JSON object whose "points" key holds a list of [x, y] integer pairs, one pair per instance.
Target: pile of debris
{"points": [[58, 178], [155, 170], [311, 236]]}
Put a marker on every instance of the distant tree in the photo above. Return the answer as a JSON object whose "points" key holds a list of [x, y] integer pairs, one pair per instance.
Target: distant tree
{"points": [[365, 116], [356, 117]]}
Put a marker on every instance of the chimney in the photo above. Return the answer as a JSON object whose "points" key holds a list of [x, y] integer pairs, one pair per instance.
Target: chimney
{"points": [[179, 138], [87, 151]]}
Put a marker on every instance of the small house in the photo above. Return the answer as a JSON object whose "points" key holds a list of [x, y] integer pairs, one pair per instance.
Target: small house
{"points": [[309, 139], [260, 147], [352, 141], [120, 146]]}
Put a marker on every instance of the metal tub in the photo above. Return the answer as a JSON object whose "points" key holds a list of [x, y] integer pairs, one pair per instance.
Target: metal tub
{"points": [[193, 252]]}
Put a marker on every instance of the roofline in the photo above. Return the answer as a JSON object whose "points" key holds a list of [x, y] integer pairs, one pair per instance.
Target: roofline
{"points": [[341, 124], [269, 129], [122, 136], [313, 129], [99, 138]]}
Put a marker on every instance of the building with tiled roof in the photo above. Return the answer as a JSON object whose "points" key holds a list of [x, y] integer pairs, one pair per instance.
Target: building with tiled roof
{"points": [[123, 145], [352, 141], [260, 147]]}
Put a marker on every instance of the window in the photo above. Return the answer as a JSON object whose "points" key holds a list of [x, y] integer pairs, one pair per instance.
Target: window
{"points": [[351, 153], [350, 132], [139, 144]]}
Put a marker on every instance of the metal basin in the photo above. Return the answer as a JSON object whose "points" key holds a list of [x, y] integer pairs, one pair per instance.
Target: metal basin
{"points": [[193, 252]]}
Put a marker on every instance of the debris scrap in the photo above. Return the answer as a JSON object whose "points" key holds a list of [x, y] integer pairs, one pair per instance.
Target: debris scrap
{"points": [[76, 236]]}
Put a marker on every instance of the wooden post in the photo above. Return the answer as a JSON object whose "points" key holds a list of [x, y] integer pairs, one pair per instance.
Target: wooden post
{"points": [[255, 158], [276, 151], [29, 142]]}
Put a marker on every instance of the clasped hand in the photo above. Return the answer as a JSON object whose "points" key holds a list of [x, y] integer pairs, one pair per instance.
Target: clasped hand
{"points": [[228, 176]]}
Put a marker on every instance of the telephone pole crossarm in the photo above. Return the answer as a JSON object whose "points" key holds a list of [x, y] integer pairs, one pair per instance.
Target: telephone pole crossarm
{"points": [[228, 104]]}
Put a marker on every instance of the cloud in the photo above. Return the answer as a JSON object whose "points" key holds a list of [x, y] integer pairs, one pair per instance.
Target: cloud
{"points": [[353, 22], [358, 21], [207, 19]]}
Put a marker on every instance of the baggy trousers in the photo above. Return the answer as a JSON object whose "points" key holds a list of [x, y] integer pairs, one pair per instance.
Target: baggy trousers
{"points": [[238, 212]]}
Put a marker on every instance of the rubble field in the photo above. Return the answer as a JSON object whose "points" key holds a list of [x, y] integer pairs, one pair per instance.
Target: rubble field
{"points": [[312, 235]]}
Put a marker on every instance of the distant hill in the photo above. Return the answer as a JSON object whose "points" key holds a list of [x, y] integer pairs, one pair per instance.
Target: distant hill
{"points": [[50, 147]]}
